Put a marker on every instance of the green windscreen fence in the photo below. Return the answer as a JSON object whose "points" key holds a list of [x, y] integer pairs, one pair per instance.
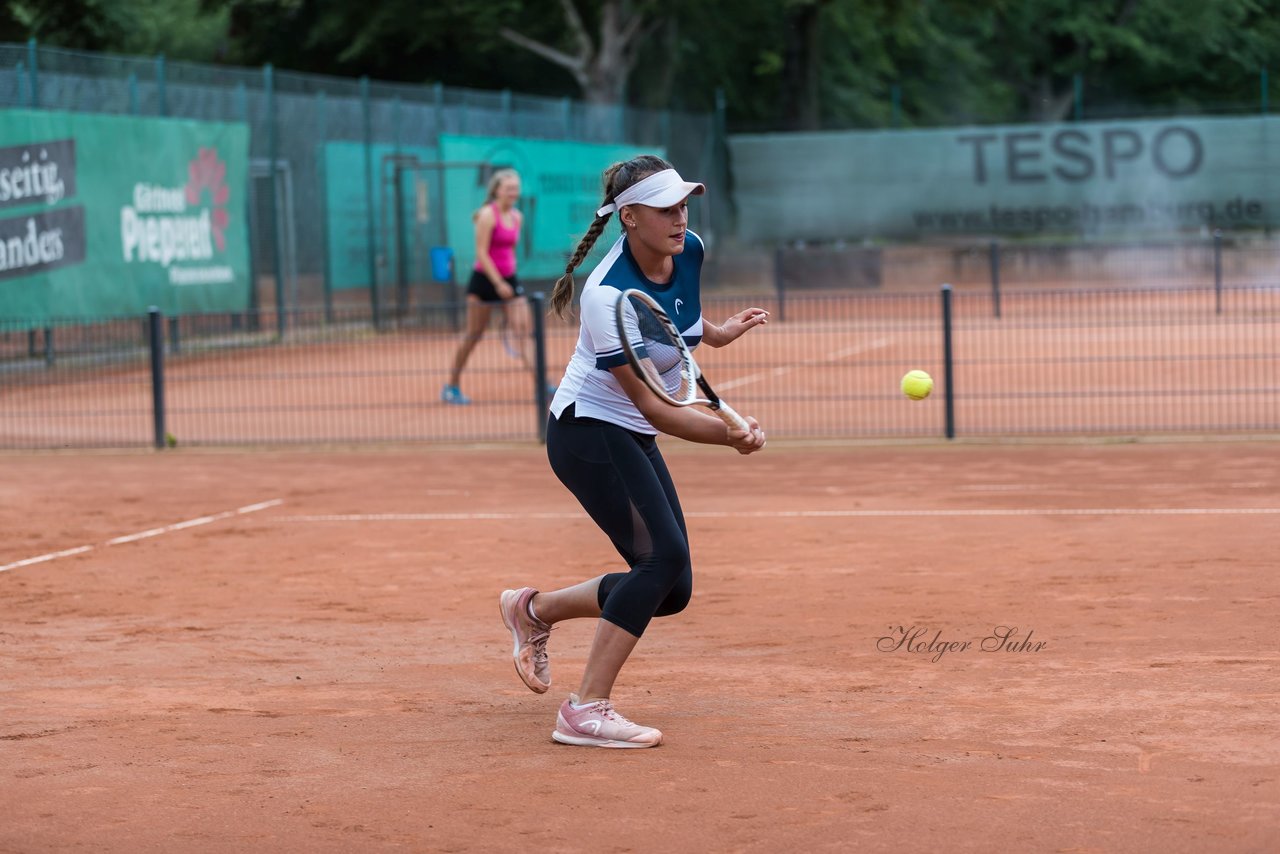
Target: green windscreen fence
{"points": [[106, 216], [1083, 178], [560, 191]]}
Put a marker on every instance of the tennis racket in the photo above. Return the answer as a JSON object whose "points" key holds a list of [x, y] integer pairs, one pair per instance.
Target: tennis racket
{"points": [[661, 359], [509, 341]]}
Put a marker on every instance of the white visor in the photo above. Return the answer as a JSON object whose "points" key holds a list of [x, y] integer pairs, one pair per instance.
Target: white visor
{"points": [[659, 190]]}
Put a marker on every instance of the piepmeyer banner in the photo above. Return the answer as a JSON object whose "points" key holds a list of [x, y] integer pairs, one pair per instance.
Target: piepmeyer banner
{"points": [[105, 216], [1140, 177]]}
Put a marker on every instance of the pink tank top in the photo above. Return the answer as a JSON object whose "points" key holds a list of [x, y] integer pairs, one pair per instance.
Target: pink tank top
{"points": [[502, 244]]}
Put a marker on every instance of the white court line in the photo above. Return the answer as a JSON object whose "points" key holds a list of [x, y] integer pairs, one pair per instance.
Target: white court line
{"points": [[42, 558], [142, 535], [786, 369], [816, 514]]}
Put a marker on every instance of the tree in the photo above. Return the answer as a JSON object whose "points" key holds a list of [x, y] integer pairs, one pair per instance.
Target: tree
{"points": [[601, 67], [85, 24]]}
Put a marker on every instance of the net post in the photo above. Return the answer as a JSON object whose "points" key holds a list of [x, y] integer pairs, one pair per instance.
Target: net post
{"points": [[538, 310], [48, 346], [947, 363], [995, 279], [155, 342], [1217, 270]]}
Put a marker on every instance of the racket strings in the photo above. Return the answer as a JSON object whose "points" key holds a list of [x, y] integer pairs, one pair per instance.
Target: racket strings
{"points": [[662, 352]]}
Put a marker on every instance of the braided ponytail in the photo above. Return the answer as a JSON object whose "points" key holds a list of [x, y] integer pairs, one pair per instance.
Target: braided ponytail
{"points": [[617, 178], [562, 293]]}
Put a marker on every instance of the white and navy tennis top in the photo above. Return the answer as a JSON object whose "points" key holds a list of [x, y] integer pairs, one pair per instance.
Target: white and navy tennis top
{"points": [[587, 382]]}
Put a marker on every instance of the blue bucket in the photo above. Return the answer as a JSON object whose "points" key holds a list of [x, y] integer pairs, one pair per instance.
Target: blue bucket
{"points": [[442, 263]]}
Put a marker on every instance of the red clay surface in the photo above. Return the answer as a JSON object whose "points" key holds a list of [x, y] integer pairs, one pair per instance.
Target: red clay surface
{"points": [[330, 673]]}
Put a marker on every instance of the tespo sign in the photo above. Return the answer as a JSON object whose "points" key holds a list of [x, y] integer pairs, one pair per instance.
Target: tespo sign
{"points": [[1086, 177], [1074, 156]]}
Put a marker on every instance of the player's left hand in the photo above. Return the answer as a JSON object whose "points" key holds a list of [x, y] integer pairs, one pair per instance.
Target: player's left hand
{"points": [[748, 318], [747, 442]]}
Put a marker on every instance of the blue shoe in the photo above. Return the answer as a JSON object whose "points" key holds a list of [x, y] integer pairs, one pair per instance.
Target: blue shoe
{"points": [[453, 394]]}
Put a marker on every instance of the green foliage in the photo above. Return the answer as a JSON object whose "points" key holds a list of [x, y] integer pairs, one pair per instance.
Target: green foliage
{"points": [[87, 24], [780, 63]]}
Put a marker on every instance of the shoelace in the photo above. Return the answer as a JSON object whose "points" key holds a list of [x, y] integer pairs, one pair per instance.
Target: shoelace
{"points": [[538, 641], [606, 709]]}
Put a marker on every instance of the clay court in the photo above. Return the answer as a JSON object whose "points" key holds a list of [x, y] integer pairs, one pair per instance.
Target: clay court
{"points": [[216, 650]]}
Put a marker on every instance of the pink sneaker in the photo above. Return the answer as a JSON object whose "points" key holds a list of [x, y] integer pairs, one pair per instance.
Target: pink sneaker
{"points": [[530, 636], [600, 725]]}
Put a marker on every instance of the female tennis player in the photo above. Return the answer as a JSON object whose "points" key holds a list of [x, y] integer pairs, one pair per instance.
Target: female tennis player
{"points": [[601, 441], [493, 280]]}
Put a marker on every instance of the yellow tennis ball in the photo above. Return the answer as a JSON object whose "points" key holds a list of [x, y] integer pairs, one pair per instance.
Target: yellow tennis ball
{"points": [[917, 385]]}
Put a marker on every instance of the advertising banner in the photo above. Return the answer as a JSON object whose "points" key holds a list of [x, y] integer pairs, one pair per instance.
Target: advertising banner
{"points": [[106, 216], [1082, 178]]}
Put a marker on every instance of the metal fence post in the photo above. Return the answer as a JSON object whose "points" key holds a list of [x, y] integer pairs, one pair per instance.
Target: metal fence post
{"points": [[155, 341], [437, 99], [253, 317], [268, 82], [1217, 271], [326, 268], [162, 100], [779, 285], [947, 363], [366, 108], [34, 76], [537, 306], [995, 279]]}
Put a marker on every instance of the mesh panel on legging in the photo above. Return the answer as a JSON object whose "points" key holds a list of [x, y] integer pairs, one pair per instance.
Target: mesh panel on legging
{"points": [[623, 483]]}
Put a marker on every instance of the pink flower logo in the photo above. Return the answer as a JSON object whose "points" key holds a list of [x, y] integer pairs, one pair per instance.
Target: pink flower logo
{"points": [[207, 172]]}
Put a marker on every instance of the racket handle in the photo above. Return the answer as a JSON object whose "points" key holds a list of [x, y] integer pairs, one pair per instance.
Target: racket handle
{"points": [[733, 419]]}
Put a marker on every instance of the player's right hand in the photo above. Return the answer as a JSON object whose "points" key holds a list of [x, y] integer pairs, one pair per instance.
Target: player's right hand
{"points": [[747, 442], [505, 290]]}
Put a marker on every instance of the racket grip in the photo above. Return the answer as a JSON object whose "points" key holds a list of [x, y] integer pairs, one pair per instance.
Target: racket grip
{"points": [[733, 419]]}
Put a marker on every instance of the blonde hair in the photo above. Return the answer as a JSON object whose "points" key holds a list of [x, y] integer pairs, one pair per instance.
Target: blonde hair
{"points": [[616, 178], [491, 193]]}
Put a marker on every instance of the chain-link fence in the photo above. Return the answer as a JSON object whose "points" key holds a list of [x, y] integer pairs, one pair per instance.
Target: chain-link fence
{"points": [[294, 117]]}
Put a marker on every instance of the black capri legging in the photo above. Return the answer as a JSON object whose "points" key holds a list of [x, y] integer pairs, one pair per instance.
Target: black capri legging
{"points": [[622, 481]]}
